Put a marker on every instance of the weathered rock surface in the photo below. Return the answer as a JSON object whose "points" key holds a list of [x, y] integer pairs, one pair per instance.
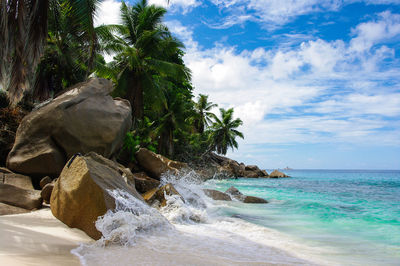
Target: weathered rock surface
{"points": [[44, 181], [6, 209], [46, 192], [277, 174], [19, 197], [155, 164], [252, 199], [217, 195], [5, 170], [21, 181], [83, 119], [143, 183], [231, 168], [80, 193], [235, 193], [156, 195]]}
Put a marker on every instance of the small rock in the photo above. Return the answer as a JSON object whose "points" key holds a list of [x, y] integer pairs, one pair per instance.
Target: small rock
{"points": [[265, 173], [143, 183], [154, 164], [46, 192], [233, 191], [21, 181], [6, 209], [252, 199], [44, 181], [277, 174], [217, 195], [157, 194], [19, 197]]}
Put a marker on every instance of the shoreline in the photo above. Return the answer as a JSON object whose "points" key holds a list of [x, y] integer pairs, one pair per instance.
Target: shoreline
{"points": [[38, 238]]}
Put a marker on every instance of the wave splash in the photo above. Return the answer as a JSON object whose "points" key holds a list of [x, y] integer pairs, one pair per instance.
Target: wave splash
{"points": [[181, 233]]}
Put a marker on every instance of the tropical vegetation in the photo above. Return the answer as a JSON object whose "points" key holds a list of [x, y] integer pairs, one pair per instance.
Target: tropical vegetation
{"points": [[49, 45]]}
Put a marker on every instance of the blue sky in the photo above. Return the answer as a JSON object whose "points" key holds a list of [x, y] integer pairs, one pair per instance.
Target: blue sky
{"points": [[316, 82]]}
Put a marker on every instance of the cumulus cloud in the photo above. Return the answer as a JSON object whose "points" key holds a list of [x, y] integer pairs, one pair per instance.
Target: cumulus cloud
{"points": [[275, 13], [318, 91], [177, 5]]}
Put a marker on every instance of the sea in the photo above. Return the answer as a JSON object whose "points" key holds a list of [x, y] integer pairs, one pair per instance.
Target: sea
{"points": [[315, 217]]}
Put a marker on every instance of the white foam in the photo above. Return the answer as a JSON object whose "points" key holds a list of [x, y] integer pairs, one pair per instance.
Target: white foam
{"points": [[185, 232]]}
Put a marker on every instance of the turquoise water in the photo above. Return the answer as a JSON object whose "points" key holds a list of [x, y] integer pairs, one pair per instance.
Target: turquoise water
{"points": [[352, 217]]}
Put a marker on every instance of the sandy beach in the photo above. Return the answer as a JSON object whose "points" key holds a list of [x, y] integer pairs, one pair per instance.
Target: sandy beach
{"points": [[38, 238]]}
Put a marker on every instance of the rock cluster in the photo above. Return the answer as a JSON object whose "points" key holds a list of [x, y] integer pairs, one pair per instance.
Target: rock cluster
{"points": [[234, 193], [230, 168], [65, 147]]}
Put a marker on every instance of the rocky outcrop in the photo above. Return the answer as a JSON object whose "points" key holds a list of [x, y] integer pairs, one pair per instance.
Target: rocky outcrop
{"points": [[80, 194], [231, 168], [83, 119], [156, 196], [143, 183], [19, 197], [156, 165], [236, 194], [277, 174], [217, 195]]}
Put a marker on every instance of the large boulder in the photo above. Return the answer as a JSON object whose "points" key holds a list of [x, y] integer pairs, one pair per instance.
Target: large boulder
{"points": [[143, 183], [83, 119], [80, 194], [156, 165], [19, 197], [156, 196], [277, 174], [217, 195]]}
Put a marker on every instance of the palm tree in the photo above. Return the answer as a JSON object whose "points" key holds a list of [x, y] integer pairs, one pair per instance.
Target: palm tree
{"points": [[223, 132], [145, 48], [172, 120], [23, 33], [203, 114]]}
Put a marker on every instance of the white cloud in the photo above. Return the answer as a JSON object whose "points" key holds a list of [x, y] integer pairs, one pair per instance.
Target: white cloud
{"points": [[339, 92], [108, 13], [177, 5], [387, 26], [275, 13]]}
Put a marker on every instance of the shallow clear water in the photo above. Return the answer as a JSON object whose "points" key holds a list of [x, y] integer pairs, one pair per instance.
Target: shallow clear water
{"points": [[315, 217], [353, 217]]}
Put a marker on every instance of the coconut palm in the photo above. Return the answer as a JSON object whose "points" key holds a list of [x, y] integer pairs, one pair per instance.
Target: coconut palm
{"points": [[145, 48], [204, 115], [223, 132], [23, 33]]}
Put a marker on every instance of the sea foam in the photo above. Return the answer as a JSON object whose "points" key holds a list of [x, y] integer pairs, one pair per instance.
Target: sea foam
{"points": [[192, 232]]}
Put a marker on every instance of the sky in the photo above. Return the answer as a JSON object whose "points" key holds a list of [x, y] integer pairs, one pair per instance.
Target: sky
{"points": [[316, 82]]}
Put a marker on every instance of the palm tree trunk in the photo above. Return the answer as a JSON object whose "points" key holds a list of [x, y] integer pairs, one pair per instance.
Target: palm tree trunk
{"points": [[135, 96]]}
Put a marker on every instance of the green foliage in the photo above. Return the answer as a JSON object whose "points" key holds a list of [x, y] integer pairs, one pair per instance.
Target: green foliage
{"points": [[62, 47], [223, 132], [141, 137]]}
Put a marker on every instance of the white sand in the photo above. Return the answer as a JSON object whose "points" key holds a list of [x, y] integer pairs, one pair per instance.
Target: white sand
{"points": [[38, 238]]}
